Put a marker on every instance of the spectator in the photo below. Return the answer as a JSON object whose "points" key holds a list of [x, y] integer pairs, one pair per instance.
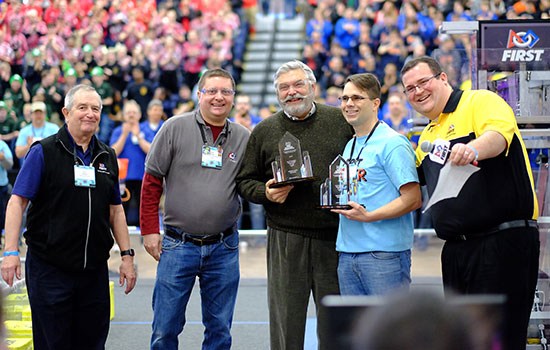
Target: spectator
{"points": [[18, 44], [347, 31], [130, 141], [170, 59], [50, 93], [25, 117], [18, 93], [194, 56], [36, 131], [8, 126], [243, 117], [389, 81], [53, 46], [396, 115], [392, 49], [104, 89], [140, 89], [320, 25], [459, 13]]}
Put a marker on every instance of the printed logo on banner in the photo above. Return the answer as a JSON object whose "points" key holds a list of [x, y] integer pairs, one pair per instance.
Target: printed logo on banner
{"points": [[520, 47]]}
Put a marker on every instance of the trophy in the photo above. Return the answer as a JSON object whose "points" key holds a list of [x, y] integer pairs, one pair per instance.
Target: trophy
{"points": [[292, 165], [335, 192]]}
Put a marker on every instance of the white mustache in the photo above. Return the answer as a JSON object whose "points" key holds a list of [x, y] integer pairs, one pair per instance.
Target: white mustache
{"points": [[288, 98]]}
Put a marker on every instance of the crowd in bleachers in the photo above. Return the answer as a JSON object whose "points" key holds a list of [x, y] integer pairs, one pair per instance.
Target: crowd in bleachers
{"points": [[380, 36], [145, 48]]}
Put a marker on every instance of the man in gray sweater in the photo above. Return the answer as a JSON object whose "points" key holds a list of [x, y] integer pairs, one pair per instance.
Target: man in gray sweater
{"points": [[301, 255]]}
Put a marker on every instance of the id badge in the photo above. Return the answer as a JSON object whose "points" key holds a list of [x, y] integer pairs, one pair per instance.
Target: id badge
{"points": [[84, 176], [211, 157]]}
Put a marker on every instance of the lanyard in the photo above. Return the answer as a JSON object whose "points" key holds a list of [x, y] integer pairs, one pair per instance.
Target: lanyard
{"points": [[203, 135], [357, 159]]}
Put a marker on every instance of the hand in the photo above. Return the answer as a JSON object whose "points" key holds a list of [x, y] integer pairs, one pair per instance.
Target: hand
{"points": [[356, 213], [126, 128], [11, 265], [29, 140], [461, 155], [135, 130], [277, 195], [153, 245], [128, 273]]}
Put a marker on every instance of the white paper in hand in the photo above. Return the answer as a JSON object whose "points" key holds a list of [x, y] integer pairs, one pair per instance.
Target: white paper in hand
{"points": [[451, 180]]}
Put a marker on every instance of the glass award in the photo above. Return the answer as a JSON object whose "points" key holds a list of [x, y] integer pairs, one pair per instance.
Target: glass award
{"points": [[292, 165], [335, 191]]}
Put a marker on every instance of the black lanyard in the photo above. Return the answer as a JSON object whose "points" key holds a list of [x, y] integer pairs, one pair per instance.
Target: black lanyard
{"points": [[356, 160], [203, 135]]}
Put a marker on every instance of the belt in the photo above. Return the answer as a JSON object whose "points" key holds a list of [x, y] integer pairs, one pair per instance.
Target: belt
{"points": [[504, 226], [198, 240]]}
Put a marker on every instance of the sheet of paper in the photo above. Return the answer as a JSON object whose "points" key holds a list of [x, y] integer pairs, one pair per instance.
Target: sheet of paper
{"points": [[450, 182]]}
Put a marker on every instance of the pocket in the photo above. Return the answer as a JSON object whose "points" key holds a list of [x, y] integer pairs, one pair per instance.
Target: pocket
{"points": [[385, 255], [170, 243], [232, 242]]}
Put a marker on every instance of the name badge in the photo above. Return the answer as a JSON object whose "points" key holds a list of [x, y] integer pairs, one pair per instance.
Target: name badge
{"points": [[84, 176], [211, 157]]}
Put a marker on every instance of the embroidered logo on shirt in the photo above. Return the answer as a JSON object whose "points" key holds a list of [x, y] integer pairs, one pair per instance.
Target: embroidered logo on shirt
{"points": [[232, 156], [102, 169]]}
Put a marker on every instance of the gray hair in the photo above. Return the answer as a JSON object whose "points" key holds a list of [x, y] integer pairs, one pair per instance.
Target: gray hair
{"points": [[131, 103], [293, 65], [69, 98], [154, 103]]}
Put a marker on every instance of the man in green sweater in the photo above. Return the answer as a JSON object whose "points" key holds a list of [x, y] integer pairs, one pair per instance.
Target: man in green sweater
{"points": [[301, 254]]}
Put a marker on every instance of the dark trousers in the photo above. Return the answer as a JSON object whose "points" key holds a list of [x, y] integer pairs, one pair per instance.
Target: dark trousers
{"points": [[131, 207], [70, 310], [502, 263], [296, 267]]}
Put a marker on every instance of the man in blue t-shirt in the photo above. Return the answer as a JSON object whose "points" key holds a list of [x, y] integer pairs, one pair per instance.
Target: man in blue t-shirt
{"points": [[375, 236], [36, 131]]}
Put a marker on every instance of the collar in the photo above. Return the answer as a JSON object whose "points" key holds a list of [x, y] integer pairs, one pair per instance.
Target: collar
{"points": [[66, 136], [311, 111], [202, 124], [453, 101]]}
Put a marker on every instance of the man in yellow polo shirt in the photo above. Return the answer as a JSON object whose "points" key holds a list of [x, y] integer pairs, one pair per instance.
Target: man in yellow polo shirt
{"points": [[490, 229]]}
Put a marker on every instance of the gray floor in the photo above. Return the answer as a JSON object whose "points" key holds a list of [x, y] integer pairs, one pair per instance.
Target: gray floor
{"points": [[131, 326]]}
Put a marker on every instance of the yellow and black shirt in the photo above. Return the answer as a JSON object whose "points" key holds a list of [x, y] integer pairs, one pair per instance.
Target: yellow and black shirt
{"points": [[502, 190]]}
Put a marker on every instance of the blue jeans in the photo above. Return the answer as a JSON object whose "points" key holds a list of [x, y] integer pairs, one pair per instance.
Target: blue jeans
{"points": [[217, 267], [374, 273]]}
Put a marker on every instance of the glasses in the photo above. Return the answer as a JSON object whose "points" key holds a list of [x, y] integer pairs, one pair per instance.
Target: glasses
{"points": [[353, 98], [214, 91], [411, 89], [297, 85]]}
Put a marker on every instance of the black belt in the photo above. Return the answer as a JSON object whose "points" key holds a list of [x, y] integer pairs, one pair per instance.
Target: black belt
{"points": [[504, 226], [198, 240]]}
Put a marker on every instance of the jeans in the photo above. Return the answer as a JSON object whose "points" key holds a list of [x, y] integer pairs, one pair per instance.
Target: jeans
{"points": [[374, 273], [217, 267]]}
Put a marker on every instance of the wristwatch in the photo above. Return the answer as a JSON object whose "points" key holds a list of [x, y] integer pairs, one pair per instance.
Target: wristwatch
{"points": [[128, 252]]}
